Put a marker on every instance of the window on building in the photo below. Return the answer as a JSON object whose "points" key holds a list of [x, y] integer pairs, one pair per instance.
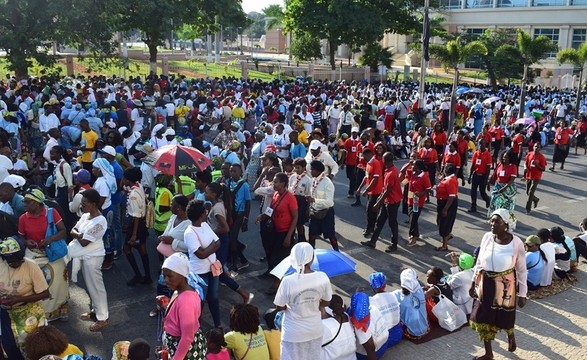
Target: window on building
{"points": [[549, 2], [579, 37], [451, 4], [552, 34], [512, 3], [578, 2], [475, 31], [477, 4]]}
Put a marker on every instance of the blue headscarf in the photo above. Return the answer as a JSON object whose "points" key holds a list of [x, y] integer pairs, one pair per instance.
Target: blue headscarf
{"points": [[377, 280], [359, 311]]}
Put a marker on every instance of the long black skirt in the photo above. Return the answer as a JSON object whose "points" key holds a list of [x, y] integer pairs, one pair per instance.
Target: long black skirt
{"points": [[446, 223], [560, 153]]}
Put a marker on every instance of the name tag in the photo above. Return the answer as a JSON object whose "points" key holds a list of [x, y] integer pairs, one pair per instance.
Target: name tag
{"points": [[269, 211], [502, 173], [478, 162], [560, 137], [532, 165], [354, 149], [410, 194], [492, 139]]}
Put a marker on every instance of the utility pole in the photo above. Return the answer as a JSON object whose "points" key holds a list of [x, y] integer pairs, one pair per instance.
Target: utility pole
{"points": [[423, 63]]}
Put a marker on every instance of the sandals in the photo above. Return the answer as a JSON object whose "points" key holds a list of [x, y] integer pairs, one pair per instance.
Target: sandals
{"points": [[98, 325], [413, 241], [441, 248], [483, 357], [89, 316]]}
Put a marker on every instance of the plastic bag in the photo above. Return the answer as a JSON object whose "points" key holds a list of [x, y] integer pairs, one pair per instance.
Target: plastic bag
{"points": [[450, 316]]}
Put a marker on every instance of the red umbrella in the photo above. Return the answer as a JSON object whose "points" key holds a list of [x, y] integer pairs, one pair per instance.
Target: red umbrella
{"points": [[179, 160]]}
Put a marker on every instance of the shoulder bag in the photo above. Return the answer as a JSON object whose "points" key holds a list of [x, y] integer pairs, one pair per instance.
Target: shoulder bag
{"points": [[267, 224], [215, 266], [58, 248], [334, 338]]}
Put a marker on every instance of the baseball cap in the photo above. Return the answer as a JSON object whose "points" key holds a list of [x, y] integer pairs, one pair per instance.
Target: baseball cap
{"points": [[315, 145], [15, 180], [108, 150], [533, 240], [355, 129], [82, 176]]}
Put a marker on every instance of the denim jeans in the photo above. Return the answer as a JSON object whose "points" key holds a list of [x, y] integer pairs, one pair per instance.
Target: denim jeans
{"points": [[212, 296], [116, 228]]}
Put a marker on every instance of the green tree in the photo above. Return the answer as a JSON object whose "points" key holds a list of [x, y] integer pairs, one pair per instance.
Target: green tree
{"points": [[436, 30], [451, 55], [274, 15], [374, 55], [576, 57], [350, 21], [530, 51], [306, 47], [28, 28]]}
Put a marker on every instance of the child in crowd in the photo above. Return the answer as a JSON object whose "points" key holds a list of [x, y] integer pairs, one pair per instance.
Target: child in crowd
{"points": [[216, 345]]}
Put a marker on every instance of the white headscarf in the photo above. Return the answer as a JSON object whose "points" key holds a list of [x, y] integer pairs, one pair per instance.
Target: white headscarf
{"points": [[507, 217], [301, 254], [178, 263], [409, 280], [107, 172]]}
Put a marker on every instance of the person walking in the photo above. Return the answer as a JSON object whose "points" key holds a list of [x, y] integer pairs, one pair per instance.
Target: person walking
{"points": [[478, 175], [374, 181], [534, 166], [562, 138], [388, 204], [418, 189], [447, 205], [321, 202]]}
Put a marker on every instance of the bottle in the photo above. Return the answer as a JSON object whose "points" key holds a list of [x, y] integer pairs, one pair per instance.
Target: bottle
{"points": [[416, 204]]}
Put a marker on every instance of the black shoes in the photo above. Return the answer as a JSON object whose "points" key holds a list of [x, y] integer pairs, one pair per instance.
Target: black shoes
{"points": [[391, 248], [368, 244]]}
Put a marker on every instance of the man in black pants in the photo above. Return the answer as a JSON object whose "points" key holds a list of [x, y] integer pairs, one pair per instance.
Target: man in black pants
{"points": [[480, 167], [374, 181], [391, 199]]}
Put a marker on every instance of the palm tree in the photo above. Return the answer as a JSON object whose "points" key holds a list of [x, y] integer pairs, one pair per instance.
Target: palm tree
{"points": [[576, 57], [451, 55], [530, 51]]}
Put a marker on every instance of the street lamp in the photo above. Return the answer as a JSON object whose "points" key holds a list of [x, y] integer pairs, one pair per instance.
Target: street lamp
{"points": [[240, 30]]}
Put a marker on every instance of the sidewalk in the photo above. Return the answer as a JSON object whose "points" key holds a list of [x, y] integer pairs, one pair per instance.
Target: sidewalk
{"points": [[551, 328]]}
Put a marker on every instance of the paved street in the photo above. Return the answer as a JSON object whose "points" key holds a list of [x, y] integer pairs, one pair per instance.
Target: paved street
{"points": [[550, 328]]}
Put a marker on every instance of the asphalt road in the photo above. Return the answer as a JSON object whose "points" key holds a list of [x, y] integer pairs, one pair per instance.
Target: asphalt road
{"points": [[562, 203]]}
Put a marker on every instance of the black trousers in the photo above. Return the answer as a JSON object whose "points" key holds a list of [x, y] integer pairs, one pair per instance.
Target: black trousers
{"points": [[479, 182], [414, 229], [388, 212], [352, 176], [371, 212]]}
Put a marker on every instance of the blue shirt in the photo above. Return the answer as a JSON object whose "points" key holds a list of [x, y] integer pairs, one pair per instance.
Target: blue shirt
{"points": [[242, 196], [534, 264], [118, 173], [412, 309], [298, 151], [231, 157]]}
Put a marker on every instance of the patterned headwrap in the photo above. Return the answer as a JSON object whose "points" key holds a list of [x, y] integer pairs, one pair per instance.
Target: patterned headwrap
{"points": [[359, 311], [35, 195], [107, 172], [507, 216], [377, 280], [9, 246]]}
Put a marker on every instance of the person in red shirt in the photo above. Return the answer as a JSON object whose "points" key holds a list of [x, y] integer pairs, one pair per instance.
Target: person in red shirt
{"points": [[517, 144], [503, 195], [418, 190], [533, 168], [374, 181], [447, 205], [365, 143], [562, 137], [452, 156], [430, 158], [350, 159], [581, 134], [439, 139], [480, 167], [497, 140], [463, 150], [405, 174], [388, 205]]}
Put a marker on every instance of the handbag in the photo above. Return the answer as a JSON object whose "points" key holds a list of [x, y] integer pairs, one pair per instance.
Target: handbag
{"points": [[267, 224], [58, 248], [318, 214], [450, 316]]}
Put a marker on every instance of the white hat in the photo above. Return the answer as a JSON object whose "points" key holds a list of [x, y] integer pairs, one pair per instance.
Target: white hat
{"points": [[15, 180], [157, 127], [108, 150], [355, 129], [122, 130], [168, 132], [315, 145]]}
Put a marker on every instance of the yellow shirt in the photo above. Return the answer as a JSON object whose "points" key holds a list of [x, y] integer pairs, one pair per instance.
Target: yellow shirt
{"points": [[89, 140], [303, 138], [71, 350], [239, 343], [273, 339], [182, 111]]}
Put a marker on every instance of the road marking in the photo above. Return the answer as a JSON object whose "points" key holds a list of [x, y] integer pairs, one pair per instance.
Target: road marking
{"points": [[541, 208], [580, 198]]}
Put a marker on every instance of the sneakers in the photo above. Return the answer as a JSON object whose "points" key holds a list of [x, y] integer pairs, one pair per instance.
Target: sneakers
{"points": [[106, 265], [391, 248], [535, 201], [472, 210], [243, 266], [356, 203], [367, 233]]}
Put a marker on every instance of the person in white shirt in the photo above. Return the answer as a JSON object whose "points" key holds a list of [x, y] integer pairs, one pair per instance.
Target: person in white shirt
{"points": [[54, 135], [5, 165], [317, 153], [136, 118], [281, 141], [87, 251], [388, 306], [301, 330], [549, 249], [307, 119], [300, 184], [202, 244], [370, 328], [338, 340], [461, 278], [333, 115], [321, 202], [48, 120], [346, 121]]}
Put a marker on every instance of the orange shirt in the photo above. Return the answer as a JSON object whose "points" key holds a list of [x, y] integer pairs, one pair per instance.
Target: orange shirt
{"points": [[481, 162], [533, 160], [448, 187], [374, 170]]}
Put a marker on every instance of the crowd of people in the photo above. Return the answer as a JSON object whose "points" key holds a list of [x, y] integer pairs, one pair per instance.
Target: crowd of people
{"points": [[77, 185]]}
